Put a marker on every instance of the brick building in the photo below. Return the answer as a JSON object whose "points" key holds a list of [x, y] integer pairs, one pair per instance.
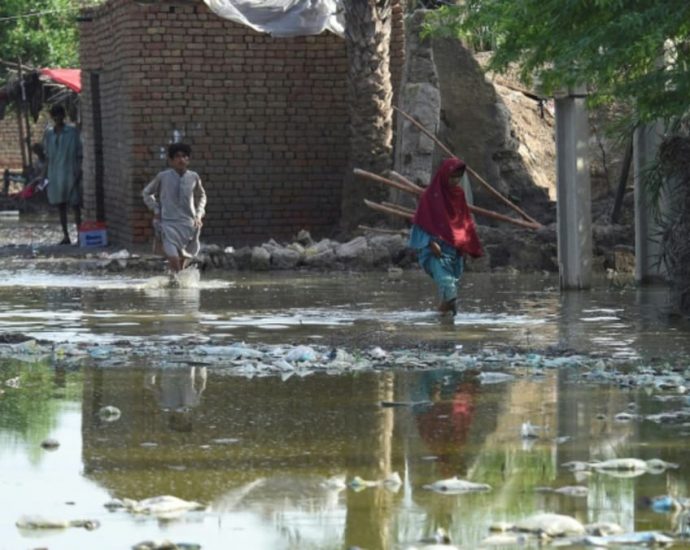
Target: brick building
{"points": [[266, 118], [10, 151]]}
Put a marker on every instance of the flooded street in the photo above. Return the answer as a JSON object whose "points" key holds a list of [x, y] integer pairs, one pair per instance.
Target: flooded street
{"points": [[354, 308], [281, 459]]}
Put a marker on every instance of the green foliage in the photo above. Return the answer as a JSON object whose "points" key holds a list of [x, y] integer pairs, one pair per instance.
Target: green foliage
{"points": [[623, 51], [28, 413], [40, 32]]}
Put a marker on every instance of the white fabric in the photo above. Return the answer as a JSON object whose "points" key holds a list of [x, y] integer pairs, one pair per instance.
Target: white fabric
{"points": [[283, 17]]}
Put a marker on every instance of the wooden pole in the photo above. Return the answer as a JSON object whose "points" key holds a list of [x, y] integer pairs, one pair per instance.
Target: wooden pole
{"points": [[402, 209], [402, 179], [21, 105], [488, 187], [398, 185], [418, 191], [382, 230], [20, 126], [501, 217], [385, 209]]}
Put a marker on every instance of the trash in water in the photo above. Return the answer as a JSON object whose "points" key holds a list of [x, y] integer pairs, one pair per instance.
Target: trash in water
{"points": [[41, 522], [553, 525], [301, 354], [641, 538], [164, 507], [109, 413], [50, 444], [165, 545], [455, 485], [495, 377], [663, 503], [529, 430], [391, 482]]}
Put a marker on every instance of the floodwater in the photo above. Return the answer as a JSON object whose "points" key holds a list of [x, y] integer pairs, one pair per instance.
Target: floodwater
{"points": [[259, 452]]}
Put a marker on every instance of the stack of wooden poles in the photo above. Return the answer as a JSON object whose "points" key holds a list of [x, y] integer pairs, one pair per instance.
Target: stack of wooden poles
{"points": [[403, 184]]}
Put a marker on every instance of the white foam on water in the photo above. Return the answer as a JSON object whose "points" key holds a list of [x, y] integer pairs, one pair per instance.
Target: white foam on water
{"points": [[157, 282], [188, 278], [599, 319]]}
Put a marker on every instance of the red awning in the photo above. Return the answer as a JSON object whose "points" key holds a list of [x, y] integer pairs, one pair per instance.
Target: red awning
{"points": [[69, 77]]}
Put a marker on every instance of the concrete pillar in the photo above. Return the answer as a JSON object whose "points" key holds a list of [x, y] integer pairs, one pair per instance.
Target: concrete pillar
{"points": [[648, 268], [574, 205]]}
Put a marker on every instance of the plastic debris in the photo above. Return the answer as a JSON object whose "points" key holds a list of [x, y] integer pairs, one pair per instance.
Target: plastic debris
{"points": [[529, 431], [641, 538], [391, 482], [165, 545], [664, 503], [301, 354], [377, 353], [505, 539], [41, 522], [455, 485], [50, 444], [553, 525], [164, 506], [13, 382], [109, 413], [495, 377]]}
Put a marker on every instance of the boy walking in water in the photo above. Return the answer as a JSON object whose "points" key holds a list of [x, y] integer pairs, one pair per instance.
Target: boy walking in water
{"points": [[178, 202]]}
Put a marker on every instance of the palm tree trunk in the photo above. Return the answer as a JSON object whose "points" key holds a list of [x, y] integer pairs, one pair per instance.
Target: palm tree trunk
{"points": [[368, 32], [674, 157]]}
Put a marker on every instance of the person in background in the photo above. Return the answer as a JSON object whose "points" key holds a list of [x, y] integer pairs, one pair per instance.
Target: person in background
{"points": [[178, 201], [443, 231], [63, 155], [35, 173]]}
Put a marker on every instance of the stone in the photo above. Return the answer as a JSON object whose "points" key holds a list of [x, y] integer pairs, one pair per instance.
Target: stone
{"points": [[260, 259], [285, 258], [356, 248]]}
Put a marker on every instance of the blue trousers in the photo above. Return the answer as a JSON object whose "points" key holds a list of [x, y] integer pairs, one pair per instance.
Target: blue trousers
{"points": [[446, 271]]}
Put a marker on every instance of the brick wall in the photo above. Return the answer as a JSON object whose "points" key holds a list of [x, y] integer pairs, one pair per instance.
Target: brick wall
{"points": [[10, 154], [266, 118]]}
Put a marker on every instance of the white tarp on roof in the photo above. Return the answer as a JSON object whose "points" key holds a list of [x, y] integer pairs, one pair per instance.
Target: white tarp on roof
{"points": [[283, 17]]}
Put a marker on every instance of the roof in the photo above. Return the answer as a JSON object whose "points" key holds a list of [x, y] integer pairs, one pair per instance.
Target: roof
{"points": [[40, 86], [69, 77]]}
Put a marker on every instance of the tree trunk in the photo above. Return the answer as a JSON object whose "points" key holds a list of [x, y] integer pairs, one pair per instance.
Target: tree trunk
{"points": [[368, 30], [675, 164]]}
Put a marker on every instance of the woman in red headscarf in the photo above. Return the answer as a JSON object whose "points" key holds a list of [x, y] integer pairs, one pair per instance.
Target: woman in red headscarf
{"points": [[443, 231]]}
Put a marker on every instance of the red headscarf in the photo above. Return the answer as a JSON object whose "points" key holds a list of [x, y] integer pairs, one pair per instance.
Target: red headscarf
{"points": [[443, 211]]}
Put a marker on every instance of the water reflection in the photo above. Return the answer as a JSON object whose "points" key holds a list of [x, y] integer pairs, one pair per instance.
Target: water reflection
{"points": [[177, 391], [264, 454]]}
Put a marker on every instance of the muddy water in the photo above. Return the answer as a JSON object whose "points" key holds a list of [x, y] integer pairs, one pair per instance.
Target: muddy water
{"points": [[358, 309], [258, 451]]}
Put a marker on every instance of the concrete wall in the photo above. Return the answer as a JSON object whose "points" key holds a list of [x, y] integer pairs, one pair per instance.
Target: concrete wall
{"points": [[266, 118]]}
